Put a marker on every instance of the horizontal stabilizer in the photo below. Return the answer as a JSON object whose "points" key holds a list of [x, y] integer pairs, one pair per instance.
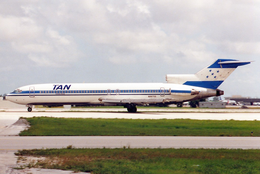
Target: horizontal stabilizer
{"points": [[228, 63], [180, 78]]}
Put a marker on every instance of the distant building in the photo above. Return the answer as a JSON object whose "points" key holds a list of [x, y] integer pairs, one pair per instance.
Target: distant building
{"points": [[212, 105], [244, 100]]}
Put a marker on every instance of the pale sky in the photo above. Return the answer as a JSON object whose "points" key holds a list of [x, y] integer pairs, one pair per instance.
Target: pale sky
{"points": [[47, 41]]}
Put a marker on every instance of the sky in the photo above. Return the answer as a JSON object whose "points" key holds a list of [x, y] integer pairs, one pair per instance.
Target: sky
{"points": [[103, 41]]}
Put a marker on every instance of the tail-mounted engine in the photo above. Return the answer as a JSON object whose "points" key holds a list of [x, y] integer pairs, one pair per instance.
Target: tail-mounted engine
{"points": [[219, 92]]}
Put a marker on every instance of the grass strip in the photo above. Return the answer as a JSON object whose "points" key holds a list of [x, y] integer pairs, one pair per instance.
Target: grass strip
{"points": [[48, 126], [196, 161]]}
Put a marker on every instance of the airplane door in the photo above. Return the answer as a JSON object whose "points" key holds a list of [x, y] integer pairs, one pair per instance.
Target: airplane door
{"points": [[31, 91], [162, 92]]}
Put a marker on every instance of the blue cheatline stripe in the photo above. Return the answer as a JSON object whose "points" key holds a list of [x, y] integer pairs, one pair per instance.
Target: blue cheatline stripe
{"points": [[180, 91], [204, 84], [122, 92]]}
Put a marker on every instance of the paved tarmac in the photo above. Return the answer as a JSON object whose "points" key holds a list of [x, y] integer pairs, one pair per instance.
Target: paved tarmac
{"points": [[10, 128], [12, 143]]}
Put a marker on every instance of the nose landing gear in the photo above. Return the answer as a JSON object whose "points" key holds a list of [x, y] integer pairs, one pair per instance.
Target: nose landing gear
{"points": [[29, 109]]}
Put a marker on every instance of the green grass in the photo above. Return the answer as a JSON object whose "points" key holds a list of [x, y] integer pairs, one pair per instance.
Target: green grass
{"points": [[48, 126], [149, 161]]}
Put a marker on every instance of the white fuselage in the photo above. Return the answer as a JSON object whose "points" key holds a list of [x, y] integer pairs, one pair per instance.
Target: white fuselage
{"points": [[107, 93]]}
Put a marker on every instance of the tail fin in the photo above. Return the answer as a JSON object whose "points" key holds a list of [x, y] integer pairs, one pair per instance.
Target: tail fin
{"points": [[210, 77]]}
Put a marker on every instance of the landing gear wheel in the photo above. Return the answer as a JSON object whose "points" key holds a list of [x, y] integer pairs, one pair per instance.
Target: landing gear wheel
{"points": [[29, 109], [131, 108], [179, 105]]}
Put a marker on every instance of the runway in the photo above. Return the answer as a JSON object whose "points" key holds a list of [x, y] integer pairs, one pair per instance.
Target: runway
{"points": [[10, 142], [9, 129], [142, 114]]}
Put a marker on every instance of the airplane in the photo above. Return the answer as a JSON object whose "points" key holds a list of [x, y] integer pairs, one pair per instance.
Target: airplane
{"points": [[179, 88]]}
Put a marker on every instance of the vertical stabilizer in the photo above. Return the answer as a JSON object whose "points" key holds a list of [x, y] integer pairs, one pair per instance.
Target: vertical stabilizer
{"points": [[210, 77], [214, 75]]}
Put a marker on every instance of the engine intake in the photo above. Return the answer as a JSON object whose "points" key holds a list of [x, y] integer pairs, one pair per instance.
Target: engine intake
{"points": [[194, 92]]}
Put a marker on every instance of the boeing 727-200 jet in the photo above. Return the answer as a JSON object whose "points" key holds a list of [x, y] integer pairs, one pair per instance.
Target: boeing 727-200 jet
{"points": [[178, 89]]}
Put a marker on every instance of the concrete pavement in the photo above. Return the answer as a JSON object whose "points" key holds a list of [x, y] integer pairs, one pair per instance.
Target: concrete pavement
{"points": [[10, 128]]}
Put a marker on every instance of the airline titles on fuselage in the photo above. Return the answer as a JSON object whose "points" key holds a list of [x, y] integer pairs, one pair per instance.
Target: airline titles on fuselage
{"points": [[61, 87]]}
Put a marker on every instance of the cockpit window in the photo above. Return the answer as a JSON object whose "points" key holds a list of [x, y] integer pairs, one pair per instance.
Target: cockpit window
{"points": [[17, 91]]}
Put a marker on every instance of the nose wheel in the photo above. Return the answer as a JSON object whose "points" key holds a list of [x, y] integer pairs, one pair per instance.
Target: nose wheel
{"points": [[29, 109]]}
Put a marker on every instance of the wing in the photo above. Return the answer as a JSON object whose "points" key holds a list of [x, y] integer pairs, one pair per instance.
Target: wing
{"points": [[131, 101]]}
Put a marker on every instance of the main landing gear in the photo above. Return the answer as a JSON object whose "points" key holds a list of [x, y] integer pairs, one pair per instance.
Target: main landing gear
{"points": [[29, 109], [131, 108], [179, 105]]}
